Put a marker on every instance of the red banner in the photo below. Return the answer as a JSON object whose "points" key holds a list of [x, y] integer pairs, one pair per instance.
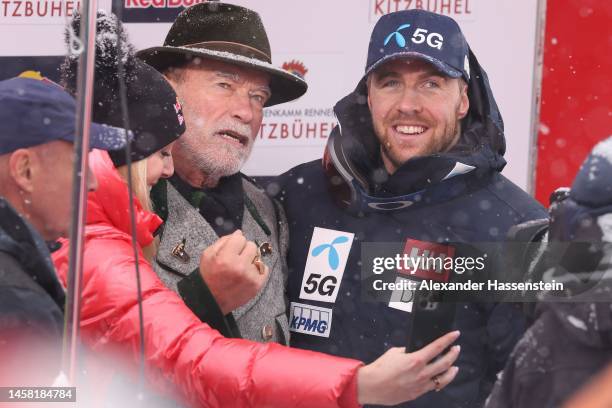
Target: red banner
{"points": [[576, 89]]}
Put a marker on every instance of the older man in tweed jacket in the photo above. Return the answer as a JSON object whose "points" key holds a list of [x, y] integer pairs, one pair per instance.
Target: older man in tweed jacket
{"points": [[218, 59]]}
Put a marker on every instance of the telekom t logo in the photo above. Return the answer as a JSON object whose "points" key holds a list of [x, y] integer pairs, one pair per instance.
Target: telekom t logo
{"points": [[333, 259], [399, 38]]}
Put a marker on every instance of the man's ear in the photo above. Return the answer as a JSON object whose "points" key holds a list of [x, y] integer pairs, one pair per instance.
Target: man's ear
{"points": [[464, 103], [368, 85], [21, 163]]}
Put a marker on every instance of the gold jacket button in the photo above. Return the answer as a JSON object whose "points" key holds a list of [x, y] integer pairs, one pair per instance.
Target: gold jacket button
{"points": [[267, 332]]}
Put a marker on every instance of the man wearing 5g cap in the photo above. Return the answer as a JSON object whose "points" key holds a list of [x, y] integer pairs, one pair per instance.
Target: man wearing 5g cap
{"points": [[416, 159], [37, 128]]}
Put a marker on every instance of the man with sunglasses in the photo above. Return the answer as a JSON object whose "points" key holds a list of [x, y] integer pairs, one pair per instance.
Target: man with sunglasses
{"points": [[416, 160]]}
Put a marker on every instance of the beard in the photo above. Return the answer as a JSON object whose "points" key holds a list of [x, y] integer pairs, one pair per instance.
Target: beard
{"points": [[446, 138], [212, 154], [444, 144]]}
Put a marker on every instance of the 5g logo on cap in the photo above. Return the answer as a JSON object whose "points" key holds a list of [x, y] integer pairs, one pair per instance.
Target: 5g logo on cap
{"points": [[420, 35]]}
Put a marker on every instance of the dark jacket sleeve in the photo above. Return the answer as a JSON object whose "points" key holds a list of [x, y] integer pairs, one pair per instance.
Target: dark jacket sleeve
{"points": [[200, 300], [25, 310], [31, 325], [24, 304]]}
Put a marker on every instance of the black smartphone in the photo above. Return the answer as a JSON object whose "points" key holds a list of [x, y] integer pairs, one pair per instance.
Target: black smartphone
{"points": [[430, 318]]}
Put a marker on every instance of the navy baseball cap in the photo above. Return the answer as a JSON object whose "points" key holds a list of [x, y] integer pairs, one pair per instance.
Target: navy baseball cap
{"points": [[420, 34], [38, 111]]}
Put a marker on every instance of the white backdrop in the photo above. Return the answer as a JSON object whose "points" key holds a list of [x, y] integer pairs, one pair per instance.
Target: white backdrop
{"points": [[330, 39]]}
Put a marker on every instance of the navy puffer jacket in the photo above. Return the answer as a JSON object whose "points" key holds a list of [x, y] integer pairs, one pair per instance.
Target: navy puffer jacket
{"points": [[460, 197]]}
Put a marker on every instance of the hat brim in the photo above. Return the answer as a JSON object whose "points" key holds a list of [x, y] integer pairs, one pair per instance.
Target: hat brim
{"points": [[440, 66], [284, 85], [107, 137]]}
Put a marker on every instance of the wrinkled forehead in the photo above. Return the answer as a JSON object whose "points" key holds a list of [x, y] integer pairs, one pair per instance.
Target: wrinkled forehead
{"points": [[231, 71]]}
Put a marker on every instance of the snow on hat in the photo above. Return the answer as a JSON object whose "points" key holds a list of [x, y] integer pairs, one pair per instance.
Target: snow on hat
{"points": [[154, 112], [582, 215], [593, 183]]}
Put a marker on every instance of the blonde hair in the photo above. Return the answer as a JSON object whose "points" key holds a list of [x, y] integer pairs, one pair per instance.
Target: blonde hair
{"points": [[140, 189]]}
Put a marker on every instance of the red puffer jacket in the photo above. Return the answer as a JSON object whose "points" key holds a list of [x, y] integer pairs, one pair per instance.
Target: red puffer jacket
{"points": [[206, 368]]}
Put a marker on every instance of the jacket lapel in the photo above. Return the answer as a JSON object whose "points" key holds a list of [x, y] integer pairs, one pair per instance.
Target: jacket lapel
{"points": [[186, 234]]}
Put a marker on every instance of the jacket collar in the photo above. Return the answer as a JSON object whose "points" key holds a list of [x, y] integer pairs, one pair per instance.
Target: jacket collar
{"points": [[185, 227], [109, 204]]}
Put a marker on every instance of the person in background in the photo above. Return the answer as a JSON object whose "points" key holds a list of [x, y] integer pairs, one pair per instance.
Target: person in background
{"points": [[571, 338], [37, 131]]}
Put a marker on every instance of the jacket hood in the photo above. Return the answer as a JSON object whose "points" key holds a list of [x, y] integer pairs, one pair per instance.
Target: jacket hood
{"points": [[19, 239], [481, 145], [109, 204]]}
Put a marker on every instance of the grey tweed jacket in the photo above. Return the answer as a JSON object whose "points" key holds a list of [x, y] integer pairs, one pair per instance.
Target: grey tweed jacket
{"points": [[264, 317]]}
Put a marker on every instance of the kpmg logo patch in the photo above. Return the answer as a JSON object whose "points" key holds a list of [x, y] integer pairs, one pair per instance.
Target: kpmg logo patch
{"points": [[332, 255], [308, 319], [399, 38]]}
